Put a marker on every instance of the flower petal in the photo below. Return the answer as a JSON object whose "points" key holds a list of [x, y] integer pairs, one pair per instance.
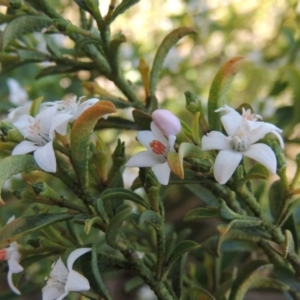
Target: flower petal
{"points": [[25, 147], [53, 290], [76, 282], [172, 139], [162, 173], [45, 158], [14, 266], [231, 120], [144, 159], [260, 129], [167, 122], [59, 272], [158, 134], [11, 284], [62, 296], [45, 118], [225, 164], [215, 140], [74, 255], [145, 137], [264, 155], [59, 124]]}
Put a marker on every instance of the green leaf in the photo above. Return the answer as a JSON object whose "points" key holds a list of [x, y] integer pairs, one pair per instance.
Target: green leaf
{"points": [[16, 164], [94, 266], [204, 194], [142, 119], [27, 224], [198, 293], [276, 198], [121, 8], [35, 106], [287, 276], [202, 213], [258, 171], [220, 87], [169, 41], [175, 160], [123, 194], [80, 137], [238, 224], [250, 273], [23, 25], [57, 69], [180, 249], [149, 216], [31, 55], [112, 234]]}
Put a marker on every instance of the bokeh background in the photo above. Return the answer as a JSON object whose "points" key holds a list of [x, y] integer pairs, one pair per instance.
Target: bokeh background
{"points": [[266, 32]]}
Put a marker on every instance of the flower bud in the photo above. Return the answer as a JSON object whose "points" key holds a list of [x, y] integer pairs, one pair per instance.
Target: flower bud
{"points": [[168, 123]]}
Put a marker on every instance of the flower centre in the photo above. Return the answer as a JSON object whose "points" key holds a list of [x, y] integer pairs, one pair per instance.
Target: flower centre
{"points": [[35, 133], [240, 141], [157, 147], [3, 254]]}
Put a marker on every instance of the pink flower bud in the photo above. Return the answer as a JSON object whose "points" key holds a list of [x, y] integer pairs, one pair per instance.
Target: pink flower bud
{"points": [[168, 123]]}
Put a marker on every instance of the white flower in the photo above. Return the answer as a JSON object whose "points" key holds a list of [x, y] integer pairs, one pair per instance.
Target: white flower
{"points": [[17, 95], [40, 132], [243, 132], [64, 280], [72, 106], [12, 255], [155, 156]]}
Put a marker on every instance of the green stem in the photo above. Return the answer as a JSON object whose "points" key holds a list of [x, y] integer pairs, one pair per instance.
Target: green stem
{"points": [[159, 288], [251, 202], [161, 244]]}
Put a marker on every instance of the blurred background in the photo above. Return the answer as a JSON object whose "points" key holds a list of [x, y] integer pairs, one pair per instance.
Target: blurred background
{"points": [[266, 32]]}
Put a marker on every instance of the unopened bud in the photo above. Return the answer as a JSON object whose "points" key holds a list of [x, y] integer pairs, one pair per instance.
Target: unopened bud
{"points": [[168, 123]]}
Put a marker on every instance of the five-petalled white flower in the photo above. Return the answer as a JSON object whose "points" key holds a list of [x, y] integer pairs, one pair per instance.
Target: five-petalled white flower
{"points": [[40, 132], [64, 280], [12, 255], [157, 145], [243, 133], [72, 106]]}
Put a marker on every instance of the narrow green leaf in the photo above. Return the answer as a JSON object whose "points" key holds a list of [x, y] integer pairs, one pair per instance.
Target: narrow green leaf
{"points": [[238, 224], [27, 224], [247, 276], [16, 164], [113, 238], [169, 41], [123, 194], [276, 198], [175, 160], [142, 119], [31, 55], [149, 216], [23, 25], [121, 8], [198, 293], [180, 249], [94, 266], [202, 213], [35, 106], [80, 136], [220, 87], [204, 194], [57, 69], [287, 276]]}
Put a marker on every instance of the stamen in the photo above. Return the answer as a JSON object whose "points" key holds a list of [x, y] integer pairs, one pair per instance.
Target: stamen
{"points": [[157, 147], [3, 254]]}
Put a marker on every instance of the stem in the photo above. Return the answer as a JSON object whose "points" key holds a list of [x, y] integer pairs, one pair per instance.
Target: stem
{"points": [[159, 288], [161, 247], [251, 202]]}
